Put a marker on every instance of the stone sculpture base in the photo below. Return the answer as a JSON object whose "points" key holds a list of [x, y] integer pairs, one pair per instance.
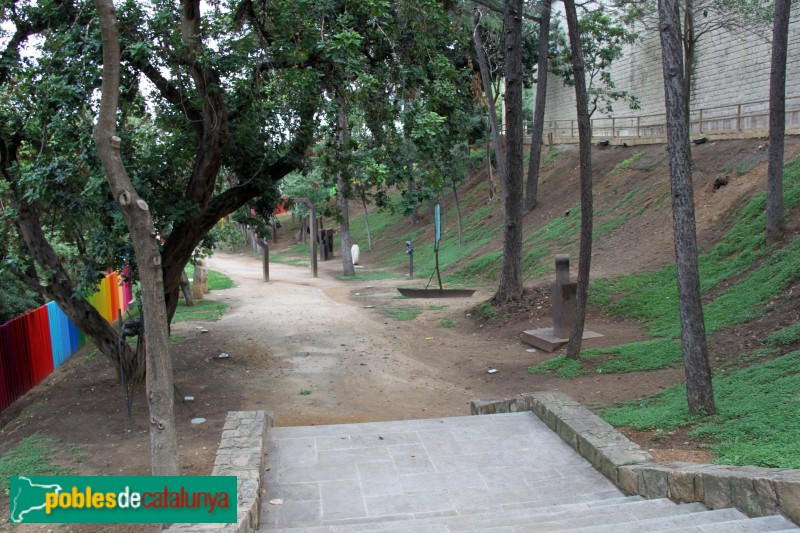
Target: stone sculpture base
{"points": [[545, 339]]}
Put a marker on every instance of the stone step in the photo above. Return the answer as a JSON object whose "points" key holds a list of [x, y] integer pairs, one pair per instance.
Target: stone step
{"points": [[551, 518], [575, 503], [754, 525], [667, 523]]}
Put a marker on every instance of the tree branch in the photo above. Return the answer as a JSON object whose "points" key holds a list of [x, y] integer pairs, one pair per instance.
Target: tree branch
{"points": [[170, 92], [497, 9], [214, 133]]}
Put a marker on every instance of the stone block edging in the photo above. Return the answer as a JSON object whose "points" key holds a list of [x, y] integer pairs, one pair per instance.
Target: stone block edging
{"points": [[241, 454], [754, 491]]}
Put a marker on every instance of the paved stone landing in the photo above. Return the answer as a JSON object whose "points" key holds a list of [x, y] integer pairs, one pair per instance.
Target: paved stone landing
{"points": [[501, 473]]}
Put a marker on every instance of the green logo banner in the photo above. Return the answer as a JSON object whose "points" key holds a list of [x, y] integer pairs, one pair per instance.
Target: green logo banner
{"points": [[123, 499]]}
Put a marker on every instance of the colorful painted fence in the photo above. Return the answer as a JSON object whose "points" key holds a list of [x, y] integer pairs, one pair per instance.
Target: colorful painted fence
{"points": [[35, 344]]}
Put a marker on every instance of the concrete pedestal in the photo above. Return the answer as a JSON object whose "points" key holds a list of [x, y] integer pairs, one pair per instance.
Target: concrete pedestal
{"points": [[545, 339]]}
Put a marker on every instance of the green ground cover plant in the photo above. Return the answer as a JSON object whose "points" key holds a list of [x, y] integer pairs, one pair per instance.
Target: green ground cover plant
{"points": [[370, 275], [629, 162], [653, 297], [616, 216], [34, 456], [538, 256], [786, 336], [551, 156], [634, 357], [758, 420], [297, 255], [487, 311], [476, 233], [217, 281], [404, 313], [381, 221], [202, 310], [760, 273], [563, 367]]}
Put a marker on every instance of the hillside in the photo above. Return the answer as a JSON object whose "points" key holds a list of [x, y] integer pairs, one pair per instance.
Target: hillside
{"points": [[751, 313], [632, 219]]}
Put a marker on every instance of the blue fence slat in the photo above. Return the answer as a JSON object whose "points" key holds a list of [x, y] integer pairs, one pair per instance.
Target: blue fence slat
{"points": [[63, 339]]}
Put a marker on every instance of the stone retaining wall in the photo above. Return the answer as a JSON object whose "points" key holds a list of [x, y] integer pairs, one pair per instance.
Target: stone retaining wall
{"points": [[241, 454], [754, 491], [732, 67]]}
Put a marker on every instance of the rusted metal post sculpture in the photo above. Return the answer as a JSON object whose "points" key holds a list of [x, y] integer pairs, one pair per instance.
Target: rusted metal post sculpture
{"points": [[562, 300]]}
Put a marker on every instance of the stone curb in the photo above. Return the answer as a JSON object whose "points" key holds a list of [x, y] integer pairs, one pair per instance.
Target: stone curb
{"points": [[241, 454], [754, 491]]}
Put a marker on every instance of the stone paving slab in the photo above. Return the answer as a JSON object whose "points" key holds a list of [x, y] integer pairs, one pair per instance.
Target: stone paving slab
{"points": [[357, 474]]}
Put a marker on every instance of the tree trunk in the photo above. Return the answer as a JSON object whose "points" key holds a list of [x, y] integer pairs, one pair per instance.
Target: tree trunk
{"points": [[492, 191], [777, 121], [366, 219], [511, 278], [343, 192], [163, 439], [532, 189], [587, 209], [486, 78], [410, 185], [458, 213], [699, 391], [689, 46]]}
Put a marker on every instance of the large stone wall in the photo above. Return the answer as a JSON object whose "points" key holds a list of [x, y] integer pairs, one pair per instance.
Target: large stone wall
{"points": [[731, 68]]}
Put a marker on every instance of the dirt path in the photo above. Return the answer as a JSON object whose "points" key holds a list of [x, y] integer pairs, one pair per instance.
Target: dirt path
{"points": [[334, 339], [331, 359]]}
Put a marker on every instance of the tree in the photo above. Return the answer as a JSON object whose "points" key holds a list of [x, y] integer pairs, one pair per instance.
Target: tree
{"points": [[60, 234], [486, 78], [602, 41], [585, 150], [699, 391], [511, 276], [777, 121], [163, 438], [199, 103], [488, 40], [343, 189], [532, 188]]}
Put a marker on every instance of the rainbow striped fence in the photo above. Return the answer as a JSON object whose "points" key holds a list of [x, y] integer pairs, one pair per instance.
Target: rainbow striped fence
{"points": [[35, 344]]}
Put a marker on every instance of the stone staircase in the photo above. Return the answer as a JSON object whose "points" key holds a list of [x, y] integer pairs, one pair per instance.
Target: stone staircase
{"points": [[499, 473]]}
